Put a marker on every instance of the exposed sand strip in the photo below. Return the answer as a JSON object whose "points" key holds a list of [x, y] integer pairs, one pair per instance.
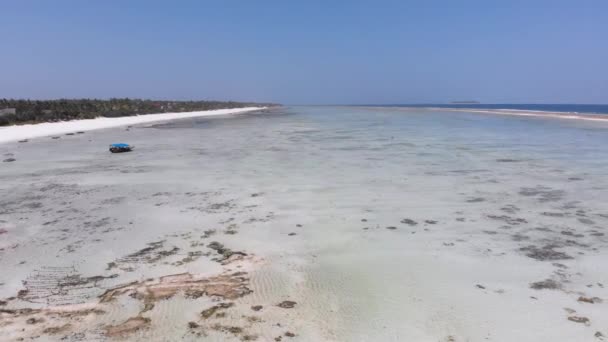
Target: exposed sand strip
{"points": [[534, 113]]}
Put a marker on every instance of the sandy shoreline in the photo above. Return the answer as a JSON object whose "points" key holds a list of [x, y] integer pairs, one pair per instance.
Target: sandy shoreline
{"points": [[14, 133], [21, 132]]}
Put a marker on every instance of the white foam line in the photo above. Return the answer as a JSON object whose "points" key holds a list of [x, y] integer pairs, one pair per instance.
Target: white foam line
{"points": [[13, 133]]}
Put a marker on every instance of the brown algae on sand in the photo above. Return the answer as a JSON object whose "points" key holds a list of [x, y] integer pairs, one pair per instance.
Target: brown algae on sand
{"points": [[229, 286], [68, 319], [127, 327]]}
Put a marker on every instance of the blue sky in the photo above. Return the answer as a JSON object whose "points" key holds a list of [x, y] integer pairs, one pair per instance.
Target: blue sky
{"points": [[307, 52]]}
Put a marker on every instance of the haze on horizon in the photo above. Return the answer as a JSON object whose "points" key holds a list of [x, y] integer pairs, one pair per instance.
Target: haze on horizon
{"points": [[312, 52]]}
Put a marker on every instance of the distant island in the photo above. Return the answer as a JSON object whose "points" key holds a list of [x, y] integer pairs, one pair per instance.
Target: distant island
{"points": [[20, 111], [465, 102]]}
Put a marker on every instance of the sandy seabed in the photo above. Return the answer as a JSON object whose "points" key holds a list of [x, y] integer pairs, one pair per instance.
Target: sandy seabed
{"points": [[309, 224]]}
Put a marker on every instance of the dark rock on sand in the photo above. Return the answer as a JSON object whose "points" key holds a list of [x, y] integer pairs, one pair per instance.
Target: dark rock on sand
{"points": [[287, 304], [9, 160], [546, 252], [589, 300], [543, 193], [34, 320], [391, 227], [409, 222], [216, 246], [212, 310], [547, 284], [510, 208], [234, 330], [223, 251], [519, 237], [257, 307], [508, 219], [586, 221], [289, 334], [208, 233], [569, 233], [480, 286], [579, 319], [552, 214], [291, 234]]}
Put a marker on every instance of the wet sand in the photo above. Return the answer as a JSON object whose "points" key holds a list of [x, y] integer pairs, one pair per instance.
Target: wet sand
{"points": [[309, 224]]}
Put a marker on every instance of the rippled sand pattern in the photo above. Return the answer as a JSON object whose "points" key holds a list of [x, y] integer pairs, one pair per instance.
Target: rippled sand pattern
{"points": [[310, 224]]}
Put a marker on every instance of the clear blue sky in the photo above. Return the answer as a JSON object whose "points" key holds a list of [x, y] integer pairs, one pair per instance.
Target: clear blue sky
{"points": [[307, 52]]}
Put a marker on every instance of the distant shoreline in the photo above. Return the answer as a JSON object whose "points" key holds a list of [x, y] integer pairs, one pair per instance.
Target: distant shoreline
{"points": [[30, 131]]}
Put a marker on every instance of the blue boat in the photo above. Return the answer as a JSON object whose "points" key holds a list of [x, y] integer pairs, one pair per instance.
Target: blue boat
{"points": [[120, 147]]}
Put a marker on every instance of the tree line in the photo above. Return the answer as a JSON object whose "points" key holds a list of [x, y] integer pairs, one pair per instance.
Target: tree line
{"points": [[20, 111]]}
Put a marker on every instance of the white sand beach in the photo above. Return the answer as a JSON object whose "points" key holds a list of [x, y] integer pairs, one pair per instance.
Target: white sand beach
{"points": [[20, 132], [309, 224]]}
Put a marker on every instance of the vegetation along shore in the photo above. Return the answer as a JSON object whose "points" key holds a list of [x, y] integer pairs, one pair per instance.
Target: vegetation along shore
{"points": [[21, 111]]}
